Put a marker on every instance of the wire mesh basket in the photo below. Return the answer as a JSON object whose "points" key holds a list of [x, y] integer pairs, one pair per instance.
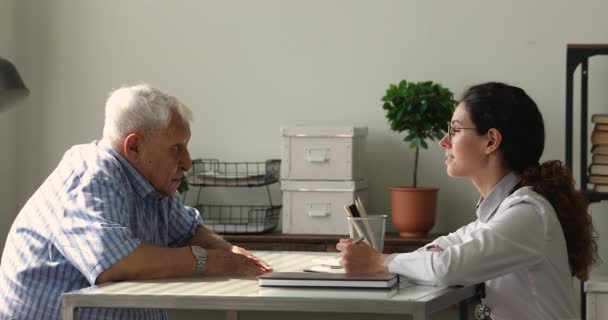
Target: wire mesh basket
{"points": [[212, 172], [239, 219]]}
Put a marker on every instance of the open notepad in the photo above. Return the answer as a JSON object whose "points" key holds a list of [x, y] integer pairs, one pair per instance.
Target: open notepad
{"points": [[319, 279]]}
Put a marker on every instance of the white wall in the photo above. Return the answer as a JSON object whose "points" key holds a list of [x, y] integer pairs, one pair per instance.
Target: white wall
{"points": [[8, 128], [248, 67]]}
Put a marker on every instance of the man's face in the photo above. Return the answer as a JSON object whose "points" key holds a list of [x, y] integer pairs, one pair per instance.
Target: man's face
{"points": [[164, 156]]}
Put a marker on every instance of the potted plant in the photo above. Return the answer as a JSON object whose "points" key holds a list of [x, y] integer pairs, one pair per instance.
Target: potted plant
{"points": [[183, 186], [422, 110]]}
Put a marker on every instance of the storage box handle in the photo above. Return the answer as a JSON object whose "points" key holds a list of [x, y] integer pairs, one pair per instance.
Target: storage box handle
{"points": [[318, 209], [317, 155]]}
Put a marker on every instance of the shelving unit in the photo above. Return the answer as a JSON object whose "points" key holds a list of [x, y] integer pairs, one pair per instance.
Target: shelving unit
{"points": [[579, 54], [232, 218]]}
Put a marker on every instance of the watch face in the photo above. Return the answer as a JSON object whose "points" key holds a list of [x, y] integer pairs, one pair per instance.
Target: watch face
{"points": [[199, 252]]}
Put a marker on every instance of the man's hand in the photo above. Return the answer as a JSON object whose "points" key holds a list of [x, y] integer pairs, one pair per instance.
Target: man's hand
{"points": [[260, 262], [234, 262], [360, 257]]}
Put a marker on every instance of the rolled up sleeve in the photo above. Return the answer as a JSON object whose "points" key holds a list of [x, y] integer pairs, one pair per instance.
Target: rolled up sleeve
{"points": [[93, 234]]}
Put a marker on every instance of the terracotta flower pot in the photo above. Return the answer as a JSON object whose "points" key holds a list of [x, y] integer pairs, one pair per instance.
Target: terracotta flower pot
{"points": [[413, 210]]}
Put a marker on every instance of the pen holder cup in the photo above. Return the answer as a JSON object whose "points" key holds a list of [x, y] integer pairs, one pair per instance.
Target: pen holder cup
{"points": [[373, 227]]}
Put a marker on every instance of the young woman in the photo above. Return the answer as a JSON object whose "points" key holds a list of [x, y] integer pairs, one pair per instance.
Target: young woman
{"points": [[533, 231]]}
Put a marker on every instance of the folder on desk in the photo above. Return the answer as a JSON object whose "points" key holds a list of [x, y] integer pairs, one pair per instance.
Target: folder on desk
{"points": [[314, 279]]}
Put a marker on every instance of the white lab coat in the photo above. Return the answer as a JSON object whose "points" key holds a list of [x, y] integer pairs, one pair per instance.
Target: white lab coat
{"points": [[516, 246]]}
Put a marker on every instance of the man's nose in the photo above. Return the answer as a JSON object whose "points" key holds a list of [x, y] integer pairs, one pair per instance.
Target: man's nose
{"points": [[186, 162]]}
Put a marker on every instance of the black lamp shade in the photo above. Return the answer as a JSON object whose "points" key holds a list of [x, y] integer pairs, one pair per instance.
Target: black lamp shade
{"points": [[11, 85], [9, 77]]}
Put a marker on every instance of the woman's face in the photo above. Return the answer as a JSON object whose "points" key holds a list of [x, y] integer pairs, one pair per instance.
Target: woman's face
{"points": [[464, 148]]}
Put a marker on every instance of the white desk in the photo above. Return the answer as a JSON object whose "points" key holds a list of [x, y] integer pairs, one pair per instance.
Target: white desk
{"points": [[244, 294]]}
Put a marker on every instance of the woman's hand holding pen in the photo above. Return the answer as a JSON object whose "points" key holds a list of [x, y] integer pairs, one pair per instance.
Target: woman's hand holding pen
{"points": [[360, 257]]}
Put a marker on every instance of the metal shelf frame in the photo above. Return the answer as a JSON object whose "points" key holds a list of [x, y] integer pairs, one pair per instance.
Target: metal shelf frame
{"points": [[579, 54]]}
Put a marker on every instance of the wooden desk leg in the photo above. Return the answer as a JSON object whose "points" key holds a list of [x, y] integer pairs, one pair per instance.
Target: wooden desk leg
{"points": [[232, 315], [464, 309]]}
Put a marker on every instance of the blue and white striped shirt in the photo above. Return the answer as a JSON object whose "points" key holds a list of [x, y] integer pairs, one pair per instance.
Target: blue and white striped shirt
{"points": [[92, 211]]}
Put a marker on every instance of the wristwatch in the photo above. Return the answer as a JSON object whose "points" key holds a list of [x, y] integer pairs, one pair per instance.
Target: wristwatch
{"points": [[201, 259]]}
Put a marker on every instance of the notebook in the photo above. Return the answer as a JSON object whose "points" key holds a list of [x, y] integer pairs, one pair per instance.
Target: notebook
{"points": [[367, 293], [319, 279]]}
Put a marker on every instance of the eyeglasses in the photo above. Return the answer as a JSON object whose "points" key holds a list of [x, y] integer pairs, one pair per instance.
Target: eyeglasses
{"points": [[452, 131]]}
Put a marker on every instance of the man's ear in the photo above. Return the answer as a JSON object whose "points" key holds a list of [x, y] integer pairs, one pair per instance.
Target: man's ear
{"points": [[131, 146], [494, 140]]}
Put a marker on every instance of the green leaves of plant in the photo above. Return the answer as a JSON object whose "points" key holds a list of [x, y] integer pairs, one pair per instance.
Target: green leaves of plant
{"points": [[422, 109], [183, 185]]}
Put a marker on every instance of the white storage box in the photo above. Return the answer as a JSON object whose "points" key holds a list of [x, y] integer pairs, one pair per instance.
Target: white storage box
{"points": [[323, 153], [596, 290], [317, 207]]}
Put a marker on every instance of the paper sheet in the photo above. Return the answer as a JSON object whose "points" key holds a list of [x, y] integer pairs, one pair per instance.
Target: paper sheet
{"points": [[326, 265]]}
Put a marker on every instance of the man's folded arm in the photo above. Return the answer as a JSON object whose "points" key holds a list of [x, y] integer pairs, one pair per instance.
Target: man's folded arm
{"points": [[151, 262]]}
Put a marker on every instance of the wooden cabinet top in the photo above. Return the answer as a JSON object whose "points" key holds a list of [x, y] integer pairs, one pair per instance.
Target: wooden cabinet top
{"points": [[315, 238], [312, 242]]}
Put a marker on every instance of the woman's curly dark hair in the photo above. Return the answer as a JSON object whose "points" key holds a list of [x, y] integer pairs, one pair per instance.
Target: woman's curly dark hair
{"points": [[554, 181], [510, 110]]}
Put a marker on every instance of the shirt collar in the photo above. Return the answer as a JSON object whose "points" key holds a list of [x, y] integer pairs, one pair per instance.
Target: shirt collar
{"points": [[488, 206], [141, 185]]}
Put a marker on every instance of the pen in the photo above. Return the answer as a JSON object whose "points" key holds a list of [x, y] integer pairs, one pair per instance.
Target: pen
{"points": [[358, 239], [355, 241]]}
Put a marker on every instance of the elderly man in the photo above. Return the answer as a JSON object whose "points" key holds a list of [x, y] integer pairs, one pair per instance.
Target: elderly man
{"points": [[109, 212]]}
